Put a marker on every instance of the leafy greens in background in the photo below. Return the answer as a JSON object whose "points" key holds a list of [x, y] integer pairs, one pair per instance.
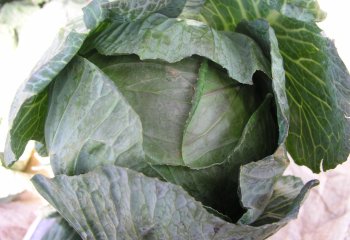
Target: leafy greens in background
{"points": [[171, 119], [10, 26]]}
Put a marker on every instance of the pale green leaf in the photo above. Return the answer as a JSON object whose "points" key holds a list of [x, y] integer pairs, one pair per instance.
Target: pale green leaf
{"points": [[226, 107], [89, 118], [161, 95]]}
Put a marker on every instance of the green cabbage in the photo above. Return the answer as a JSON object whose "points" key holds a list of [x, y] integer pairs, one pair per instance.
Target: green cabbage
{"points": [[172, 119]]}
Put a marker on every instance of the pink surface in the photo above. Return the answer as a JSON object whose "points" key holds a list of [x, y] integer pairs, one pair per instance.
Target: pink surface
{"points": [[16, 216], [325, 215]]}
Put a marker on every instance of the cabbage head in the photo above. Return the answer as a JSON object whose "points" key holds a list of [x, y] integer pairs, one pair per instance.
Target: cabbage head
{"points": [[172, 119]]}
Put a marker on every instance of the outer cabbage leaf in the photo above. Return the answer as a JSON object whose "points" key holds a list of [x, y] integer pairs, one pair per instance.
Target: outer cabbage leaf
{"points": [[61, 230], [29, 107], [176, 39], [88, 110], [318, 86], [287, 197], [317, 81], [28, 124], [128, 10], [122, 11], [226, 14], [269, 196], [304, 10], [122, 204]]}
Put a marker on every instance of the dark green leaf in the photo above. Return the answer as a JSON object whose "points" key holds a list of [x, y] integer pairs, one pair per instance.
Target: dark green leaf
{"points": [[27, 125], [317, 81], [227, 14], [318, 86], [29, 107]]}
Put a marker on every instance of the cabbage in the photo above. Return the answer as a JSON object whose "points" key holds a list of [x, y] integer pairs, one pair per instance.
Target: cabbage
{"points": [[172, 119]]}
